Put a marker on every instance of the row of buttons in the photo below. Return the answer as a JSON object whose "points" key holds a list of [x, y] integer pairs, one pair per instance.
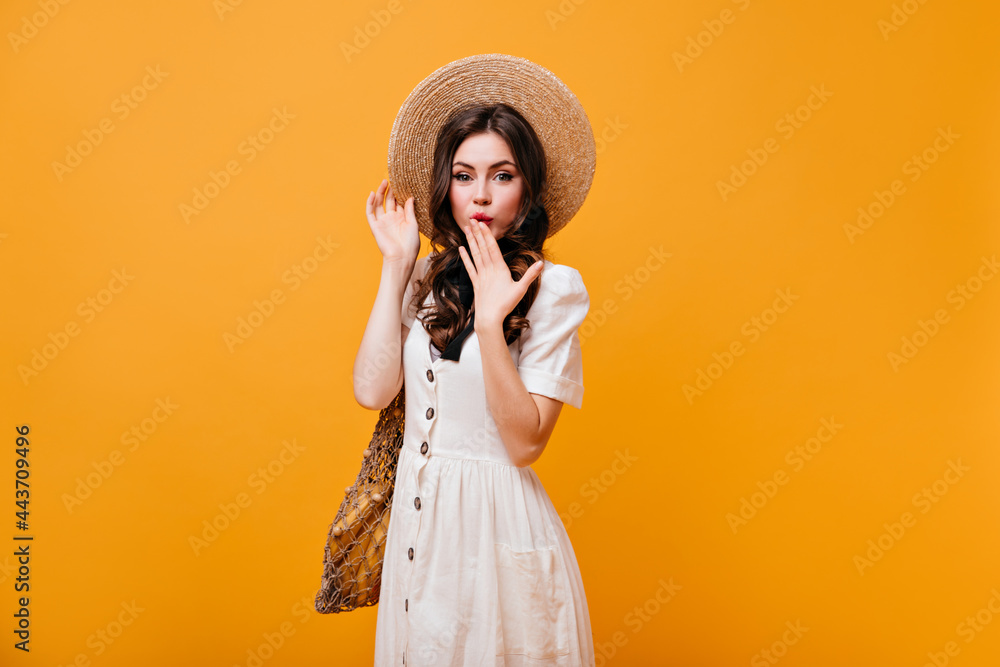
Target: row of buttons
{"points": [[416, 501], [430, 412]]}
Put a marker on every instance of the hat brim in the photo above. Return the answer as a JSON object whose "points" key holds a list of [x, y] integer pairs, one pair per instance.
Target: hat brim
{"points": [[546, 103]]}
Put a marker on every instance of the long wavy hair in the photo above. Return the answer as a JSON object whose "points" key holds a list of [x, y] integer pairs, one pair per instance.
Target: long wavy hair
{"points": [[445, 317]]}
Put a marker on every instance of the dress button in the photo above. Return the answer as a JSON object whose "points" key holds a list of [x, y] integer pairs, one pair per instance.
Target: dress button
{"points": [[410, 553], [430, 412], [423, 448], [406, 604], [430, 375], [416, 502]]}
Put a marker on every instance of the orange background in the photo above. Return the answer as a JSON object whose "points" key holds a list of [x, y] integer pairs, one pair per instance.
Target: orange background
{"points": [[669, 131]]}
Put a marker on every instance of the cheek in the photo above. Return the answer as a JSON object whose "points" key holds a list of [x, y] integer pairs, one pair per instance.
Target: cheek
{"points": [[512, 201], [453, 201]]}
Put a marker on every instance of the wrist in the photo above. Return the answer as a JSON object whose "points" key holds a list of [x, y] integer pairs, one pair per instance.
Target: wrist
{"points": [[487, 325], [398, 268], [395, 278]]}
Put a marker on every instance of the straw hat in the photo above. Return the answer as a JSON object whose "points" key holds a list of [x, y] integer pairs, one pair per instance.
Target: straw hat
{"points": [[546, 103]]}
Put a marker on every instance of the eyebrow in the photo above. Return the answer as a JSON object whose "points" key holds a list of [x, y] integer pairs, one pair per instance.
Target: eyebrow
{"points": [[492, 166]]}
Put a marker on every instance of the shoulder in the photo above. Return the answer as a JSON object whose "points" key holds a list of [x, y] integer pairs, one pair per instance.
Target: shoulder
{"points": [[561, 281], [561, 294]]}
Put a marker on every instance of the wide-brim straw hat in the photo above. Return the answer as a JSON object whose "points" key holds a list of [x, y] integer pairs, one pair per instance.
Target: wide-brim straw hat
{"points": [[546, 103]]}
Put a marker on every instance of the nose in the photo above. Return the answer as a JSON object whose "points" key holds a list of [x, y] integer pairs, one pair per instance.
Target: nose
{"points": [[482, 196]]}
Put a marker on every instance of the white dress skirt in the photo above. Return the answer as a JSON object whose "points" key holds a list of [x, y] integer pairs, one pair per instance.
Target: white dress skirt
{"points": [[478, 567]]}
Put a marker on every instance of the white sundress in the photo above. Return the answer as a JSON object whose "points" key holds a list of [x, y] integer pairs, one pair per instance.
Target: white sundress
{"points": [[478, 567]]}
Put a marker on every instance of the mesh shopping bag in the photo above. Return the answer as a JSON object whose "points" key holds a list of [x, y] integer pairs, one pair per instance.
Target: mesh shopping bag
{"points": [[352, 558]]}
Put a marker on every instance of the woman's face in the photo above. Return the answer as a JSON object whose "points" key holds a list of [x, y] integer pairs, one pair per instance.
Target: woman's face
{"points": [[484, 179]]}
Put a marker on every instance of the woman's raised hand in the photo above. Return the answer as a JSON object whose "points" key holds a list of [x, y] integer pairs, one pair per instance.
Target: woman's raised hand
{"points": [[394, 227], [496, 291]]}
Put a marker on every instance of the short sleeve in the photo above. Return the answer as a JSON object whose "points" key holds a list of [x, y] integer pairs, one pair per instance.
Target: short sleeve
{"points": [[551, 361]]}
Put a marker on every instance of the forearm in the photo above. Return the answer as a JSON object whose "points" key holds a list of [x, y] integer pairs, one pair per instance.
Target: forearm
{"points": [[512, 407], [378, 364]]}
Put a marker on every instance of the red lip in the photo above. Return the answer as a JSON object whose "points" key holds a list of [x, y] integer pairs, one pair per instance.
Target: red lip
{"points": [[481, 216]]}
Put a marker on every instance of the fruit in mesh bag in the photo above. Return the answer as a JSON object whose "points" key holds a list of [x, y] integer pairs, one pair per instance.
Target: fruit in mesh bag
{"points": [[357, 550], [352, 564]]}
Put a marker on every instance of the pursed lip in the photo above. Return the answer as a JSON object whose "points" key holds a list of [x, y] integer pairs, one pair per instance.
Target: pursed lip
{"points": [[481, 216]]}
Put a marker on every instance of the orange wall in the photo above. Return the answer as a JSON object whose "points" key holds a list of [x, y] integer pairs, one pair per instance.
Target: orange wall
{"points": [[788, 441]]}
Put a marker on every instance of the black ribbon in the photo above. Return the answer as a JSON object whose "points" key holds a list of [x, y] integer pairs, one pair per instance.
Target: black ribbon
{"points": [[458, 275]]}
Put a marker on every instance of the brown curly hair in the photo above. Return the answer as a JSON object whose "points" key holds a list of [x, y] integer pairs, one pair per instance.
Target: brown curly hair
{"points": [[445, 318]]}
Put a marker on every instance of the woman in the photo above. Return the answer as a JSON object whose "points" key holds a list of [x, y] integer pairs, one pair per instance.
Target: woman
{"points": [[478, 568]]}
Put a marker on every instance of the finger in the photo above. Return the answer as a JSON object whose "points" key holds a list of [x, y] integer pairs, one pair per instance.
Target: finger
{"points": [[483, 238], [492, 249], [530, 276], [409, 210], [474, 244], [390, 200], [369, 204], [483, 259], [532, 272], [380, 193], [378, 199], [469, 267]]}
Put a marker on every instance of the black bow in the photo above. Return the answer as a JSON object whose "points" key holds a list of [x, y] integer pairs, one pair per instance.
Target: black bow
{"points": [[458, 275]]}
